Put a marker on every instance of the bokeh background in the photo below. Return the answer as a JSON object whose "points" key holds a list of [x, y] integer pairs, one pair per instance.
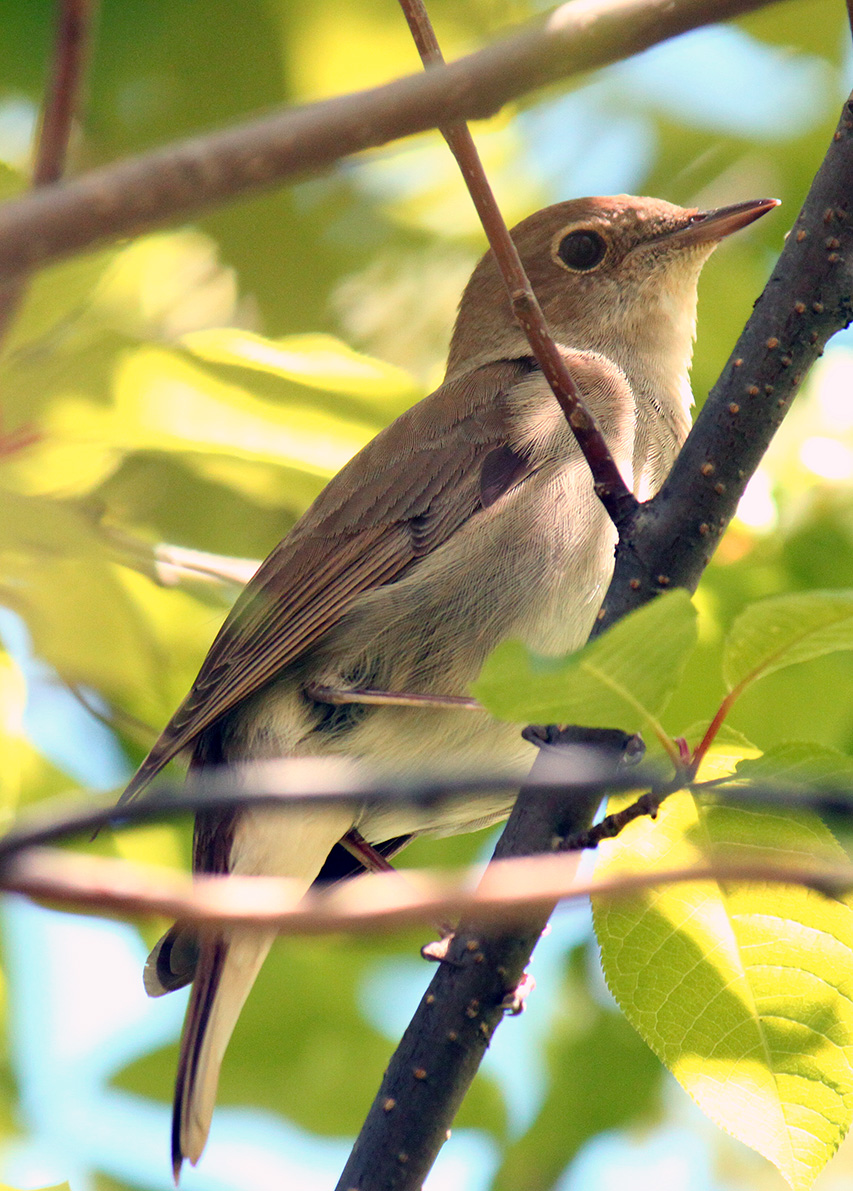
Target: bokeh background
{"points": [[129, 420]]}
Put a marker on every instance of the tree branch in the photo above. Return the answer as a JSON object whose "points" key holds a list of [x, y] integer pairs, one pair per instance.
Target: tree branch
{"points": [[294, 783], [142, 192], [666, 542], [510, 891], [62, 98], [463, 1006]]}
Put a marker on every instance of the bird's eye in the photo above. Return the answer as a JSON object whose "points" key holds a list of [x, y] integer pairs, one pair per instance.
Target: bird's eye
{"points": [[581, 250]]}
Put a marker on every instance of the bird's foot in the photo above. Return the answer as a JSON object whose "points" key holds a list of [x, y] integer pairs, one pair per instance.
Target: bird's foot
{"points": [[514, 1002]]}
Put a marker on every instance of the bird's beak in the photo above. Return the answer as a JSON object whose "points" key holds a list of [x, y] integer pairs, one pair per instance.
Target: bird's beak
{"points": [[705, 227]]}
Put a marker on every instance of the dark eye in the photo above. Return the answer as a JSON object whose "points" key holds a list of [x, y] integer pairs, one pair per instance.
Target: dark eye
{"points": [[581, 250]]}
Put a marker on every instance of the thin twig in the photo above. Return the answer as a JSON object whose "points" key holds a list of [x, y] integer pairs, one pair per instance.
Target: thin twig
{"points": [[294, 783], [510, 891], [612, 825], [62, 100], [139, 193], [610, 488]]}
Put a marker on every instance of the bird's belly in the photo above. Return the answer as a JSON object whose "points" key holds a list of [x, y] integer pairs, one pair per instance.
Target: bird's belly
{"points": [[430, 633]]}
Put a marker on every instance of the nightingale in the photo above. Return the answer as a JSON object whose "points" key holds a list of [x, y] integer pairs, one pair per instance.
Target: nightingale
{"points": [[469, 520]]}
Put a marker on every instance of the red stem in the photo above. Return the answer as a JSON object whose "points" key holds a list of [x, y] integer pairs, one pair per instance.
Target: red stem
{"points": [[611, 489]]}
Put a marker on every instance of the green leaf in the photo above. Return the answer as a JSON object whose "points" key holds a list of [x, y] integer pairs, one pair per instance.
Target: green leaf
{"points": [[611, 682], [166, 402], [318, 361], [799, 763], [784, 630], [745, 991]]}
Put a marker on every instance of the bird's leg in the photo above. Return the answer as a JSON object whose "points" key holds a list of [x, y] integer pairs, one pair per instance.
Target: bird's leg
{"points": [[375, 862], [340, 695], [365, 853]]}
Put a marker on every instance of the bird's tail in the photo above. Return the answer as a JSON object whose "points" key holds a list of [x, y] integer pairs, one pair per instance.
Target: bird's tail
{"points": [[226, 970], [223, 963]]}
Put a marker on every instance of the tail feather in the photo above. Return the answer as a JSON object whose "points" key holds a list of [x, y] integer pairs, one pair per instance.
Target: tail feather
{"points": [[173, 960], [258, 842], [226, 971]]}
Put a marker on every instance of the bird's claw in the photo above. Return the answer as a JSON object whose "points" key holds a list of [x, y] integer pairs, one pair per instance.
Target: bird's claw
{"points": [[514, 1002]]}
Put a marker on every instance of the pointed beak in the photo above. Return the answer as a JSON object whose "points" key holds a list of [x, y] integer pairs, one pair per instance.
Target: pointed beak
{"points": [[706, 227]]}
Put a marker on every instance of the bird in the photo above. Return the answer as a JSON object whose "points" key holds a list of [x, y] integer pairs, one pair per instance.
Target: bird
{"points": [[470, 520]]}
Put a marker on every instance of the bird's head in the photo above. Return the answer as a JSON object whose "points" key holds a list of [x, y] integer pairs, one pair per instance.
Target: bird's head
{"points": [[616, 275]]}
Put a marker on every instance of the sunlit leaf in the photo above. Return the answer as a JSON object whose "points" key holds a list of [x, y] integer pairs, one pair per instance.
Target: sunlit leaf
{"points": [[800, 763], [163, 286], [784, 630], [318, 361], [166, 403], [611, 682], [743, 990]]}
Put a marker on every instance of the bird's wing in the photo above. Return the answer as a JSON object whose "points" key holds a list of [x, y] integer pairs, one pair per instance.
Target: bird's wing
{"points": [[406, 492]]}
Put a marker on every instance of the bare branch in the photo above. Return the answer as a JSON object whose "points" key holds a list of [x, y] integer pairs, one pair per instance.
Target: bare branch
{"points": [[142, 192], [62, 99], [292, 783], [65, 87], [509, 892]]}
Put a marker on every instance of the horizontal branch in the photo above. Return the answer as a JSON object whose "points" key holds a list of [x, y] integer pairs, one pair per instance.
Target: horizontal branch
{"points": [[509, 892], [292, 783], [142, 192]]}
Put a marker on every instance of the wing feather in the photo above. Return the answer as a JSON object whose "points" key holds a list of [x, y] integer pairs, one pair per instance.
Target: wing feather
{"points": [[407, 491]]}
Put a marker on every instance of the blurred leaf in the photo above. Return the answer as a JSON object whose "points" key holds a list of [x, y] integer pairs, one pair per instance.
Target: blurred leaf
{"points": [[743, 990], [54, 300], [163, 286], [799, 763], [165, 402], [317, 361], [784, 630], [56, 574], [610, 682], [814, 26]]}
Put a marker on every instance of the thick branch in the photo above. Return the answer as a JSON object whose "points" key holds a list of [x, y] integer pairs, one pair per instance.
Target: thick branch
{"points": [[463, 1006], [807, 299], [143, 192]]}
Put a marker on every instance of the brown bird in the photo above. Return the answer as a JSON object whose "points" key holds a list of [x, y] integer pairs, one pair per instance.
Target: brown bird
{"points": [[471, 519]]}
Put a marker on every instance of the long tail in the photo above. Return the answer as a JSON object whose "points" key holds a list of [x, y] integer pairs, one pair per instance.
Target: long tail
{"points": [[224, 967], [226, 971]]}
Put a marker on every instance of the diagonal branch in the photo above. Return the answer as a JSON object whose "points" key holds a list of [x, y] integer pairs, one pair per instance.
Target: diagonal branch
{"points": [[611, 489], [669, 542], [143, 192]]}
